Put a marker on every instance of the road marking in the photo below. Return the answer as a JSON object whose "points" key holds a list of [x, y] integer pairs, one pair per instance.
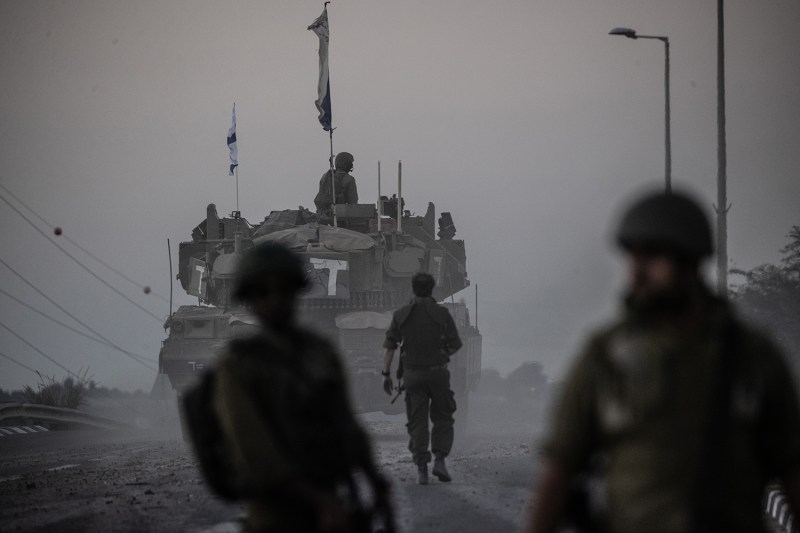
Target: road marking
{"points": [[20, 430], [62, 467]]}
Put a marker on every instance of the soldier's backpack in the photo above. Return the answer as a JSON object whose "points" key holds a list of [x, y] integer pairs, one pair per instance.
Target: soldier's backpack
{"points": [[204, 430]]}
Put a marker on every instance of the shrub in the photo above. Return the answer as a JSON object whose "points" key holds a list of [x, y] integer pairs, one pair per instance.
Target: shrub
{"points": [[68, 392]]}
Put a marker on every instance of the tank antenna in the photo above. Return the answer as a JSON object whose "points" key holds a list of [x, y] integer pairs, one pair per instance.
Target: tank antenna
{"points": [[399, 197], [380, 204], [476, 306], [169, 254]]}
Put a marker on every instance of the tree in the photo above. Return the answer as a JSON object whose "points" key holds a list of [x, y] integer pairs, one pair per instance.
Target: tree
{"points": [[770, 297]]}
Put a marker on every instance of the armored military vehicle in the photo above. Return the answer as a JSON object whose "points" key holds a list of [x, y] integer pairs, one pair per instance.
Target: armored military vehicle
{"points": [[360, 270]]}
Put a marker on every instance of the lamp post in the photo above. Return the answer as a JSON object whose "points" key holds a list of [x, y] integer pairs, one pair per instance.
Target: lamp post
{"points": [[722, 206], [631, 34]]}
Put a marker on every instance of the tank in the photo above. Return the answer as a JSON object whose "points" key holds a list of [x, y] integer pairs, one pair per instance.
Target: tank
{"points": [[360, 272]]}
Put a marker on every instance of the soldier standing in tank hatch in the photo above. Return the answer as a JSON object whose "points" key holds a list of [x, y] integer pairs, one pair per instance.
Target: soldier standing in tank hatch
{"points": [[692, 412], [346, 190], [428, 336], [281, 400]]}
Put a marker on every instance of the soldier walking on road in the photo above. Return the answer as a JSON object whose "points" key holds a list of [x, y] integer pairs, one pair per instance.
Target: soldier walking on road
{"points": [[281, 400], [689, 411], [428, 337]]}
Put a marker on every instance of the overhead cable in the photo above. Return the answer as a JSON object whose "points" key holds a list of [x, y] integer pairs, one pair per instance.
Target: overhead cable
{"points": [[81, 248], [87, 269], [73, 317], [39, 351], [74, 330], [23, 365]]}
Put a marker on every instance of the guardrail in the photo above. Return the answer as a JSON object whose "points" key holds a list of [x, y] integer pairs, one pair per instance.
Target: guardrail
{"points": [[60, 415]]}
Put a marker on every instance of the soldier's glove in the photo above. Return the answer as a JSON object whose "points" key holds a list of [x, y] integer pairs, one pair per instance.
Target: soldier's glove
{"points": [[388, 385]]}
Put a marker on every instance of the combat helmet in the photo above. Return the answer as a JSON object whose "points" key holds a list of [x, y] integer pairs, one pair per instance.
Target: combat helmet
{"points": [[666, 222], [264, 260], [344, 161]]}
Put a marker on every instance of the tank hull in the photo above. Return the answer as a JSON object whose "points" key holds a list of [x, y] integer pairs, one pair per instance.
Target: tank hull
{"points": [[200, 340]]}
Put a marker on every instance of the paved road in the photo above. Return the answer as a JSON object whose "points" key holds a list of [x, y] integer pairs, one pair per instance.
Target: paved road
{"points": [[102, 480], [137, 480]]}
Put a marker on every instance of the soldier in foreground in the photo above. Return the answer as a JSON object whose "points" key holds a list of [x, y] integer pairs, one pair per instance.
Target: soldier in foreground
{"points": [[281, 400], [346, 190], [429, 337], [691, 411]]}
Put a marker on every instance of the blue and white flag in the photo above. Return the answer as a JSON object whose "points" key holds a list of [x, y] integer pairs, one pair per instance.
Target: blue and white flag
{"points": [[232, 144], [320, 27]]}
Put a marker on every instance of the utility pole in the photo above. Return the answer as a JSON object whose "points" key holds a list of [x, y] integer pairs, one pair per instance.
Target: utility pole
{"points": [[722, 206], [667, 120]]}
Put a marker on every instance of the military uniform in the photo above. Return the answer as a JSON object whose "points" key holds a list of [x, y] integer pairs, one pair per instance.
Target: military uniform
{"points": [[346, 190], [429, 337], [281, 399], [641, 393]]}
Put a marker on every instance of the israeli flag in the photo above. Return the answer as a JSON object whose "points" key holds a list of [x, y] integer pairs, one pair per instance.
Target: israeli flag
{"points": [[232, 144], [320, 27]]}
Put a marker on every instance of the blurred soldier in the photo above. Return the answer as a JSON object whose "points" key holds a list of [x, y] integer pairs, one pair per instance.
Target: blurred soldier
{"points": [[428, 337], [691, 411], [346, 191], [281, 400]]}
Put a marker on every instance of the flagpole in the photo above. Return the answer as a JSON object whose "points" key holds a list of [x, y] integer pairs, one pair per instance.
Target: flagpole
{"points": [[236, 172], [333, 181], [323, 103], [330, 135]]}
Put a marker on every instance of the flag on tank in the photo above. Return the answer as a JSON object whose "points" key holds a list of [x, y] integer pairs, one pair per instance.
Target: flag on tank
{"points": [[232, 144], [320, 27]]}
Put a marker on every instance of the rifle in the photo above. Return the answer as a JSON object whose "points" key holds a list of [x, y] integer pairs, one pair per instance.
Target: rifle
{"points": [[400, 386], [400, 389]]}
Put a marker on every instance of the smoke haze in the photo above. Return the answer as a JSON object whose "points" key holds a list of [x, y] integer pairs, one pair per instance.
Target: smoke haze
{"points": [[525, 120]]}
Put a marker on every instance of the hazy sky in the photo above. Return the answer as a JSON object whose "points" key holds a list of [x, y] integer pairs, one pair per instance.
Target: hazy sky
{"points": [[524, 119]]}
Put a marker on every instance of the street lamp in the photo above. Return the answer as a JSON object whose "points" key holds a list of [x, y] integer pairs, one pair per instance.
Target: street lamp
{"points": [[631, 34]]}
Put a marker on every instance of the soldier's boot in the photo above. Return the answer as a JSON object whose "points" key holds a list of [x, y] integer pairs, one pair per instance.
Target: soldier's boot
{"points": [[440, 470], [422, 474]]}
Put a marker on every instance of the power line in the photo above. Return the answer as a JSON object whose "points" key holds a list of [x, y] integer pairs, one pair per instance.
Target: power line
{"points": [[87, 269], [73, 317], [17, 362], [75, 330], [38, 350], [81, 248]]}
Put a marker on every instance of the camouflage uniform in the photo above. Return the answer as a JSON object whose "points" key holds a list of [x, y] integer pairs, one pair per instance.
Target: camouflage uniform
{"points": [[429, 337], [282, 402], [641, 395]]}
